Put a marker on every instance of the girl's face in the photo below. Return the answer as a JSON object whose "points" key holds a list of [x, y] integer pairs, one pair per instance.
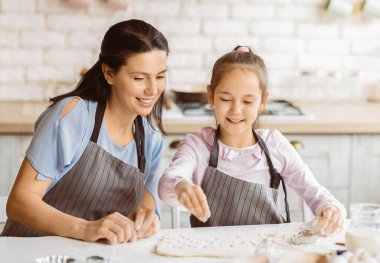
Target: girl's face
{"points": [[237, 102], [138, 84]]}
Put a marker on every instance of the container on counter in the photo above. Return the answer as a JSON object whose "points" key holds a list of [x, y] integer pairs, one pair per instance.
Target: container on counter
{"points": [[364, 232]]}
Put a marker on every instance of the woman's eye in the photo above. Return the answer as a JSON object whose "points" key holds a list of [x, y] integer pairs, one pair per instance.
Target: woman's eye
{"points": [[247, 102], [138, 78], [161, 77], [224, 99]]}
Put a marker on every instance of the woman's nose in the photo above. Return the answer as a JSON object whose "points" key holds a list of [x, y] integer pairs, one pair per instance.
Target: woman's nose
{"points": [[151, 88]]}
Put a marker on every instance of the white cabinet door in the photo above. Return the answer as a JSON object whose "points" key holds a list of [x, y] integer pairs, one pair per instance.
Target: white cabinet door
{"points": [[328, 157], [12, 152], [171, 217], [365, 184]]}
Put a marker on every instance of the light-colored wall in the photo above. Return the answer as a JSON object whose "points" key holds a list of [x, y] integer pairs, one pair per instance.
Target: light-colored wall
{"points": [[310, 55]]}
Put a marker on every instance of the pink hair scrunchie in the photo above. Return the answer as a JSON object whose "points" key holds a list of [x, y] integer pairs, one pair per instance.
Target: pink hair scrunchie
{"points": [[243, 49]]}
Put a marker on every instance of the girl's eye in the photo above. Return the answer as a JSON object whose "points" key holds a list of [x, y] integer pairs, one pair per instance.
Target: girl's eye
{"points": [[224, 99], [138, 78], [247, 102], [161, 77]]}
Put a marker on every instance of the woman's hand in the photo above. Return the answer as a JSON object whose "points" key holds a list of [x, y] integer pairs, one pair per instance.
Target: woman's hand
{"points": [[329, 221], [114, 228], [193, 198], [147, 222]]}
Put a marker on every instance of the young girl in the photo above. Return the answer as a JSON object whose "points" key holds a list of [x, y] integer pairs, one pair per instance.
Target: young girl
{"points": [[80, 178], [230, 175]]}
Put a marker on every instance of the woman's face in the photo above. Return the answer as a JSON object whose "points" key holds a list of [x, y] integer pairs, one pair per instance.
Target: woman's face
{"points": [[138, 84], [237, 101]]}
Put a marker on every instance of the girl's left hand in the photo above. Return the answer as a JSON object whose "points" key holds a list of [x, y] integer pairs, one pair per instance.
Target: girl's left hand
{"points": [[329, 221], [147, 222]]}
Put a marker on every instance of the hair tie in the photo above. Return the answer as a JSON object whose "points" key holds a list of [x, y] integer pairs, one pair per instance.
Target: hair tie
{"points": [[243, 49]]}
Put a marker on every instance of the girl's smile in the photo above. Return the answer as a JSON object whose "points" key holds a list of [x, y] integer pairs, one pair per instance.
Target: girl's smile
{"points": [[237, 101]]}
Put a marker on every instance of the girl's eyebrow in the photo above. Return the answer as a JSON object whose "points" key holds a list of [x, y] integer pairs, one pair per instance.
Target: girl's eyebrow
{"points": [[247, 95]]}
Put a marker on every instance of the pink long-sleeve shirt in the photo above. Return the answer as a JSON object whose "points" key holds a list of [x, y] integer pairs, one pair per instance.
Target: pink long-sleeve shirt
{"points": [[248, 164]]}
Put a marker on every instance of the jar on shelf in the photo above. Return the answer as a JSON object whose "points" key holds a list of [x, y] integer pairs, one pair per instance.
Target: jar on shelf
{"points": [[364, 232]]}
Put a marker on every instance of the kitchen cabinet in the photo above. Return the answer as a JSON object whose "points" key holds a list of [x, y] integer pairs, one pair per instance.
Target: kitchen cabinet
{"points": [[365, 167], [12, 152], [329, 158]]}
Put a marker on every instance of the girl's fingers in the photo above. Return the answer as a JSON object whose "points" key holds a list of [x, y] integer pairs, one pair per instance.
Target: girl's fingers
{"points": [[194, 202], [185, 201], [202, 200], [336, 224], [326, 221]]}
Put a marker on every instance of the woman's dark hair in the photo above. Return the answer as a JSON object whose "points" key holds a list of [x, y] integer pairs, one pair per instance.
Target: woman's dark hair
{"points": [[120, 42]]}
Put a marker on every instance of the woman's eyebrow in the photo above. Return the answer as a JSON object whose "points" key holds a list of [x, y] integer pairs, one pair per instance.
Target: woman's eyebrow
{"points": [[146, 73]]}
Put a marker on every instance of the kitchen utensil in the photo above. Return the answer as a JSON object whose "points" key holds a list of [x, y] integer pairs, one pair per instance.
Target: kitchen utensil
{"points": [[196, 93], [55, 259]]}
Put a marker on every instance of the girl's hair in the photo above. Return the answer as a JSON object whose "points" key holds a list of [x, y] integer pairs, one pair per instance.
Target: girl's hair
{"points": [[242, 60], [120, 42]]}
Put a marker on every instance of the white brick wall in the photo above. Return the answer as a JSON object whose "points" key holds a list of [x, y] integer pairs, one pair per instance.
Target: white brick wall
{"points": [[45, 43]]}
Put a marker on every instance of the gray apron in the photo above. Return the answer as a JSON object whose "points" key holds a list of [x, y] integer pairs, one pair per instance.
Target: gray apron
{"points": [[97, 185], [237, 202]]}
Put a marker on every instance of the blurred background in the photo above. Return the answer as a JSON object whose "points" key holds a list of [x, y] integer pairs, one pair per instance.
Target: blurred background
{"points": [[323, 60], [312, 52]]}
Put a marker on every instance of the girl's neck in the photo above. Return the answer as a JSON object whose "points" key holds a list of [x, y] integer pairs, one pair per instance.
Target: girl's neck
{"points": [[242, 140]]}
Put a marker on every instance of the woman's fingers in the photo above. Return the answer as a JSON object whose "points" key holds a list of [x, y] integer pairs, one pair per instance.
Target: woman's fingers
{"points": [[115, 228], [153, 227], [149, 215], [139, 218]]}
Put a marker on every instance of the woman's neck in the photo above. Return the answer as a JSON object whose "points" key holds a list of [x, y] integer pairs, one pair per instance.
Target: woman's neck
{"points": [[241, 140], [118, 121]]}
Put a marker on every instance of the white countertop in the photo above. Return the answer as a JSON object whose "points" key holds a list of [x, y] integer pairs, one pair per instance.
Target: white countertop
{"points": [[13, 249]]}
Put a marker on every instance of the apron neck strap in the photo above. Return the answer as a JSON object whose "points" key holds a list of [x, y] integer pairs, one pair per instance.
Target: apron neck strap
{"points": [[139, 133], [275, 176], [215, 150], [100, 109]]}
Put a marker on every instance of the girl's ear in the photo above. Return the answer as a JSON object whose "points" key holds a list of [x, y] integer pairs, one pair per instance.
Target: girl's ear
{"points": [[264, 100], [108, 74], [210, 95]]}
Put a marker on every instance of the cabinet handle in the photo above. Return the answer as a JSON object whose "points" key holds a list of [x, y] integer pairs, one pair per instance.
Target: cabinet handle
{"points": [[297, 145], [174, 144]]}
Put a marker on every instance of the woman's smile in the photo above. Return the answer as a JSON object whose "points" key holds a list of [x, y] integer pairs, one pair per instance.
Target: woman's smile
{"points": [[146, 102]]}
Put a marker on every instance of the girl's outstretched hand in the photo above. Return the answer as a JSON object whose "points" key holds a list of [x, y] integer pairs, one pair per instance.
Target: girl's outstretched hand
{"points": [[329, 221], [112, 229], [193, 198]]}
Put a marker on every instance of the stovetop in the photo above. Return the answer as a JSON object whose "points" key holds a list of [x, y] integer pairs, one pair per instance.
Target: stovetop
{"points": [[275, 109]]}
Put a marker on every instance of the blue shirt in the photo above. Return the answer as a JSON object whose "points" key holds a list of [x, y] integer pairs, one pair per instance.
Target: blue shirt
{"points": [[58, 143]]}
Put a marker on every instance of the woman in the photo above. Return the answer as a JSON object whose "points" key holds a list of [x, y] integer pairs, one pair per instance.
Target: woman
{"points": [[80, 177]]}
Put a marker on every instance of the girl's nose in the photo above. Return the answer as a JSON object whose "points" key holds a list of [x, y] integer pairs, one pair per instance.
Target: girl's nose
{"points": [[236, 107]]}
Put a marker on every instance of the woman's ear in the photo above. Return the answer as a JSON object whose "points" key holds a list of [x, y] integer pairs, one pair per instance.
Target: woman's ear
{"points": [[264, 100], [108, 73], [210, 95]]}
